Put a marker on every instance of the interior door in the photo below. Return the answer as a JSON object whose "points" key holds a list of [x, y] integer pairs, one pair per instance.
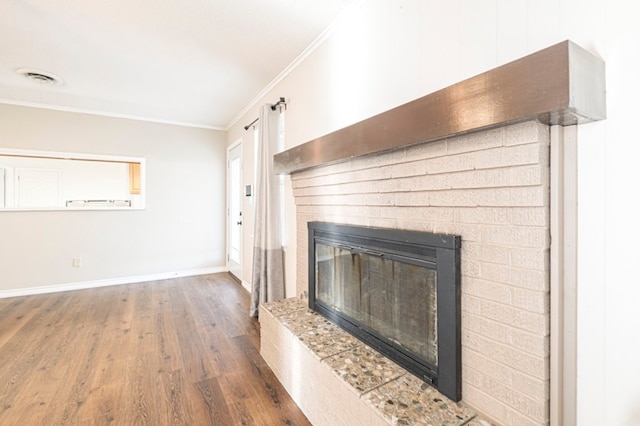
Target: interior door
{"points": [[234, 210]]}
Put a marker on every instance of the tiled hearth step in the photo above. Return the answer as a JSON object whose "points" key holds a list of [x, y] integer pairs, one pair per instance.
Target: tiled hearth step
{"points": [[370, 388]]}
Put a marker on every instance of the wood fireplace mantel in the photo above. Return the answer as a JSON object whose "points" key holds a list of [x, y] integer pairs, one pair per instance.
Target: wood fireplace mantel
{"points": [[560, 85]]}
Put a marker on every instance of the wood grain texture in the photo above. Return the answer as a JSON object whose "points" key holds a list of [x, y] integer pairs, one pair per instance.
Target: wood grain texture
{"points": [[560, 85], [173, 352]]}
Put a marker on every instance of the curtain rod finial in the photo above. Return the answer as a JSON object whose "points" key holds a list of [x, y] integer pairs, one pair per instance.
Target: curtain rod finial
{"points": [[280, 101]]}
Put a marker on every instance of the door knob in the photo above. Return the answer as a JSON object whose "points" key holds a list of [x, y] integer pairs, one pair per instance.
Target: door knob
{"points": [[239, 222]]}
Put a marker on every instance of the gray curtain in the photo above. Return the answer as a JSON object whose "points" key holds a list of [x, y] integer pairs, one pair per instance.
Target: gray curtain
{"points": [[268, 256]]}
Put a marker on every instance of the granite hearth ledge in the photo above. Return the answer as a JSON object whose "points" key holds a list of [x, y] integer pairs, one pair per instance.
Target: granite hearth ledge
{"points": [[338, 380], [560, 85]]}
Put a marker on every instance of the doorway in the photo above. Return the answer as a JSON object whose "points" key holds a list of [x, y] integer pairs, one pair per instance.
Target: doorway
{"points": [[234, 209]]}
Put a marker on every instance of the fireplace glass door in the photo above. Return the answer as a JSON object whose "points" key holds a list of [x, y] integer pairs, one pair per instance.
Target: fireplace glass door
{"points": [[396, 290], [393, 296]]}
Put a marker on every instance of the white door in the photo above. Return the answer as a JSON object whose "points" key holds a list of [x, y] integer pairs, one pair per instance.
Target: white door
{"points": [[37, 188], [234, 210]]}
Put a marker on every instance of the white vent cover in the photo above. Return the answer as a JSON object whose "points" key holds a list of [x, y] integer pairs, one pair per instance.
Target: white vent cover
{"points": [[42, 77]]}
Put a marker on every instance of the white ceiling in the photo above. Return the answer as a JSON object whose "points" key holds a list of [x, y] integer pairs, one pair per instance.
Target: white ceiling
{"points": [[194, 62]]}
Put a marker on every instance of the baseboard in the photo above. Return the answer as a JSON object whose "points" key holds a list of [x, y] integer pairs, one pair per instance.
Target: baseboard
{"points": [[246, 285], [108, 282]]}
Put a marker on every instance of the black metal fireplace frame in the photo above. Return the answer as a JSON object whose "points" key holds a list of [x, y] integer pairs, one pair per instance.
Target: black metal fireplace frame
{"points": [[442, 253]]}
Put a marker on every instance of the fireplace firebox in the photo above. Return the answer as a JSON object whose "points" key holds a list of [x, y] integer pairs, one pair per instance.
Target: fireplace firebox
{"points": [[396, 290]]}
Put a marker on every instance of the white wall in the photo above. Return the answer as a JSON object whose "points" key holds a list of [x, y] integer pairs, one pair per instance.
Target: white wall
{"points": [[181, 229], [393, 51], [609, 391]]}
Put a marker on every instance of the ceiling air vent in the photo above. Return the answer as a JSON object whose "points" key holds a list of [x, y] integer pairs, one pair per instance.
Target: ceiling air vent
{"points": [[42, 77]]}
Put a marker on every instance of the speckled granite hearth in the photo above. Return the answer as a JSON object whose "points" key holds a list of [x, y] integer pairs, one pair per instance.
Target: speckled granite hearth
{"points": [[338, 380]]}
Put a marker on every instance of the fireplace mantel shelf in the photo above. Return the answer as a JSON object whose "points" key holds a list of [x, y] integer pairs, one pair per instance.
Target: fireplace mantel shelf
{"points": [[560, 85]]}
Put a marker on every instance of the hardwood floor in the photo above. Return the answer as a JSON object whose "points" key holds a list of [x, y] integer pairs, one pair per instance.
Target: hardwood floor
{"points": [[175, 352]]}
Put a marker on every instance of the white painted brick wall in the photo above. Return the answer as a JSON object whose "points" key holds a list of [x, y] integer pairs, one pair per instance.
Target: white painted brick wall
{"points": [[536, 409], [492, 189]]}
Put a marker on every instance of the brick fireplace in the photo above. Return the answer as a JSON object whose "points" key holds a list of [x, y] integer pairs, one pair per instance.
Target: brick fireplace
{"points": [[472, 160], [492, 189]]}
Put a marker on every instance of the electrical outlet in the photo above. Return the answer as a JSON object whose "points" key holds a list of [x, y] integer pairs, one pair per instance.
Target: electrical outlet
{"points": [[77, 262]]}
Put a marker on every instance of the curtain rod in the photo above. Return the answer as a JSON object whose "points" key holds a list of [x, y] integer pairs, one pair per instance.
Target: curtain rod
{"points": [[251, 124], [273, 108]]}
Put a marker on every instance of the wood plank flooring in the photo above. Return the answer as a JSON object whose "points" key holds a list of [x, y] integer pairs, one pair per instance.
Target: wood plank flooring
{"points": [[175, 352]]}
